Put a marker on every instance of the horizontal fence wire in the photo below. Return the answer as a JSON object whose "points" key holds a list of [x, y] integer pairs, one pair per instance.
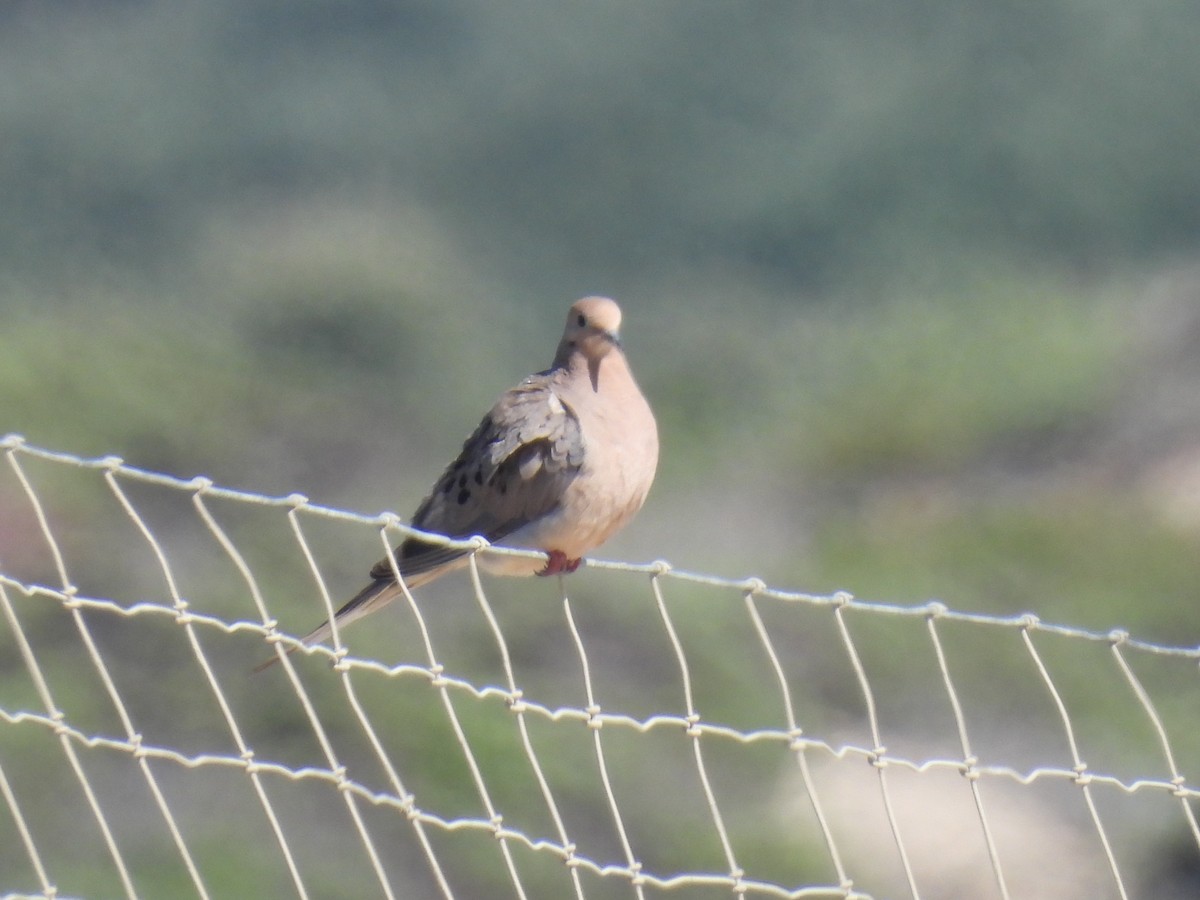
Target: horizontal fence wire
{"points": [[522, 794]]}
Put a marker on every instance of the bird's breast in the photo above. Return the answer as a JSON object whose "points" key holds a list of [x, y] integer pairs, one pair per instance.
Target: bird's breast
{"points": [[620, 459]]}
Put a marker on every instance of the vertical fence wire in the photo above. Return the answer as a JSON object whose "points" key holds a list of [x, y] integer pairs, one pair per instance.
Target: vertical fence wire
{"points": [[521, 709]]}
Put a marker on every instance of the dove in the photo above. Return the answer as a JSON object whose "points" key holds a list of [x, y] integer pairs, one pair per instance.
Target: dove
{"points": [[559, 464]]}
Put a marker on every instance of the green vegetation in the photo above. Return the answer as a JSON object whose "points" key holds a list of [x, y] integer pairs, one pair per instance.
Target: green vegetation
{"points": [[911, 275]]}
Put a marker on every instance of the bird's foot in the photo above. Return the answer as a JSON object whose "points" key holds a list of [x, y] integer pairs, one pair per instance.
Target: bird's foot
{"points": [[559, 564]]}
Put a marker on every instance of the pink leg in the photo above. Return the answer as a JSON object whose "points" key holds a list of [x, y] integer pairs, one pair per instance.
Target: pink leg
{"points": [[559, 564]]}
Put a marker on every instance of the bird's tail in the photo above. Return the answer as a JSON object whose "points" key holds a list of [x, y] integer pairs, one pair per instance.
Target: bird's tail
{"points": [[378, 593]]}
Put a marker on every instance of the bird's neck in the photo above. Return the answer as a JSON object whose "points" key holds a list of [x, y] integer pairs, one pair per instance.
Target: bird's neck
{"points": [[599, 370]]}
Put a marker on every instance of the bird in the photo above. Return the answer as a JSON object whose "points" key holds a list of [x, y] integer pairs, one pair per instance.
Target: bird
{"points": [[560, 463]]}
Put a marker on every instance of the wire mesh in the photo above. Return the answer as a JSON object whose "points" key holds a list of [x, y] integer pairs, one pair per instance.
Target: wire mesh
{"points": [[628, 731]]}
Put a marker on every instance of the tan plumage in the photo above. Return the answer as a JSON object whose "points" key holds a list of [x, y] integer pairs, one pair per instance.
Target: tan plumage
{"points": [[560, 463]]}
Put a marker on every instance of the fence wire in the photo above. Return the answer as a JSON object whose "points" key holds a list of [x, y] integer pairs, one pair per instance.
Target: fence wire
{"points": [[716, 746]]}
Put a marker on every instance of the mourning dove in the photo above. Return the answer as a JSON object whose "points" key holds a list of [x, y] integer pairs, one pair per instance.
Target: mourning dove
{"points": [[559, 464]]}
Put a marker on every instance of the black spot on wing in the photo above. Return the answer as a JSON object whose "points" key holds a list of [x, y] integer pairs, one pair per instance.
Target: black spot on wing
{"points": [[528, 423]]}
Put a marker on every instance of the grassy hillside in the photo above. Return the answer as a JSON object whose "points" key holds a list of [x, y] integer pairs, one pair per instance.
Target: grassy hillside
{"points": [[910, 290]]}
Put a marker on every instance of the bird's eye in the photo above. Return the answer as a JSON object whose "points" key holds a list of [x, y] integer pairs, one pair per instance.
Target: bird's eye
{"points": [[581, 321]]}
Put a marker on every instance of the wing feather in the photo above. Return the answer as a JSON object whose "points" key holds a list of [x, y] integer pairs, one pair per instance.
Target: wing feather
{"points": [[511, 470]]}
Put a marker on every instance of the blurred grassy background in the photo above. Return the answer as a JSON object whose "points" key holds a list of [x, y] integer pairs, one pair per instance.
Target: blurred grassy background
{"points": [[913, 289]]}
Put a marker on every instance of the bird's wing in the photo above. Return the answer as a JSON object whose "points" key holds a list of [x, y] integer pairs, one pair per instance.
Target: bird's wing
{"points": [[511, 471]]}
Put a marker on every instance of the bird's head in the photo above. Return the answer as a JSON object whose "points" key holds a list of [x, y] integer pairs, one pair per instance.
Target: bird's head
{"points": [[592, 330]]}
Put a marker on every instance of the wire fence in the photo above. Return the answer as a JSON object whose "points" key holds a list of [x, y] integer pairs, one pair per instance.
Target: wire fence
{"points": [[628, 731]]}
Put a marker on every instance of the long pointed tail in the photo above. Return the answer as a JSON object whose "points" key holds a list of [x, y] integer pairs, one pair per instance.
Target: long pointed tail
{"points": [[378, 593]]}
